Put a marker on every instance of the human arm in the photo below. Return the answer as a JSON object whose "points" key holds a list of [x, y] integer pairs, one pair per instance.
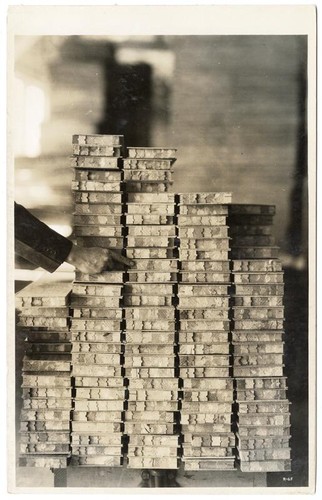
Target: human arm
{"points": [[44, 247]]}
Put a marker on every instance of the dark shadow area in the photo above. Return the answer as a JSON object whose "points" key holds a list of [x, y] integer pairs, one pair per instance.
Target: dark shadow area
{"points": [[128, 106], [296, 370]]}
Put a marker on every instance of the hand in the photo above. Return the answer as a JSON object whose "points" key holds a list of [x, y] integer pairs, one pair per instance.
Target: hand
{"points": [[96, 260]]}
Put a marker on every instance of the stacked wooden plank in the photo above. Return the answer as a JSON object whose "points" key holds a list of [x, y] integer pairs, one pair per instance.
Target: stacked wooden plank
{"points": [[203, 312], [150, 349], [96, 325], [46, 382], [149, 170], [263, 422]]}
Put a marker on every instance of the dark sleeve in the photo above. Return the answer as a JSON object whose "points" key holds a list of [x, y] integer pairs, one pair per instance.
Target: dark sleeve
{"points": [[36, 242]]}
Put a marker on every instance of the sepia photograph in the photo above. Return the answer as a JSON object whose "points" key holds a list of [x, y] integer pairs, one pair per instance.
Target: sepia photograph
{"points": [[162, 206]]}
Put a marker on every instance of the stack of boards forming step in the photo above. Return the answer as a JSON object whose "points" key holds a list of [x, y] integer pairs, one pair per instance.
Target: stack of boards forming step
{"points": [[263, 417], [96, 324], [150, 348], [46, 381], [204, 344], [178, 359]]}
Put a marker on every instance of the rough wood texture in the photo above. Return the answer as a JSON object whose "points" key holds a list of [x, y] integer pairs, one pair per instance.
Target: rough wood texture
{"points": [[112, 151], [153, 395], [203, 209], [149, 373], [95, 162], [207, 277], [98, 140], [152, 361], [104, 336], [203, 337], [196, 232], [207, 452], [98, 347], [96, 290], [96, 451], [258, 348], [145, 440], [158, 349], [93, 197], [102, 313], [282, 406], [255, 336], [152, 452], [94, 427], [142, 406], [150, 253], [252, 431], [98, 210], [258, 371], [45, 312], [208, 360], [92, 230], [201, 198], [167, 383], [150, 241], [49, 425], [94, 176], [44, 437], [152, 231], [148, 164], [92, 301], [259, 289], [204, 372], [258, 278], [195, 348], [204, 395], [202, 301], [152, 277], [196, 314], [98, 405], [149, 219], [44, 380], [100, 220], [257, 313], [97, 438], [148, 187], [186, 254], [44, 448], [99, 382], [148, 175], [82, 370], [34, 365], [97, 325], [97, 416], [92, 359], [42, 293], [96, 186], [202, 220], [47, 403], [139, 337], [260, 419], [146, 153], [146, 313]]}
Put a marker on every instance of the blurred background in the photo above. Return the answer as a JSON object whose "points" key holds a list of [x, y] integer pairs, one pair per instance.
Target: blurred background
{"points": [[234, 106]]}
